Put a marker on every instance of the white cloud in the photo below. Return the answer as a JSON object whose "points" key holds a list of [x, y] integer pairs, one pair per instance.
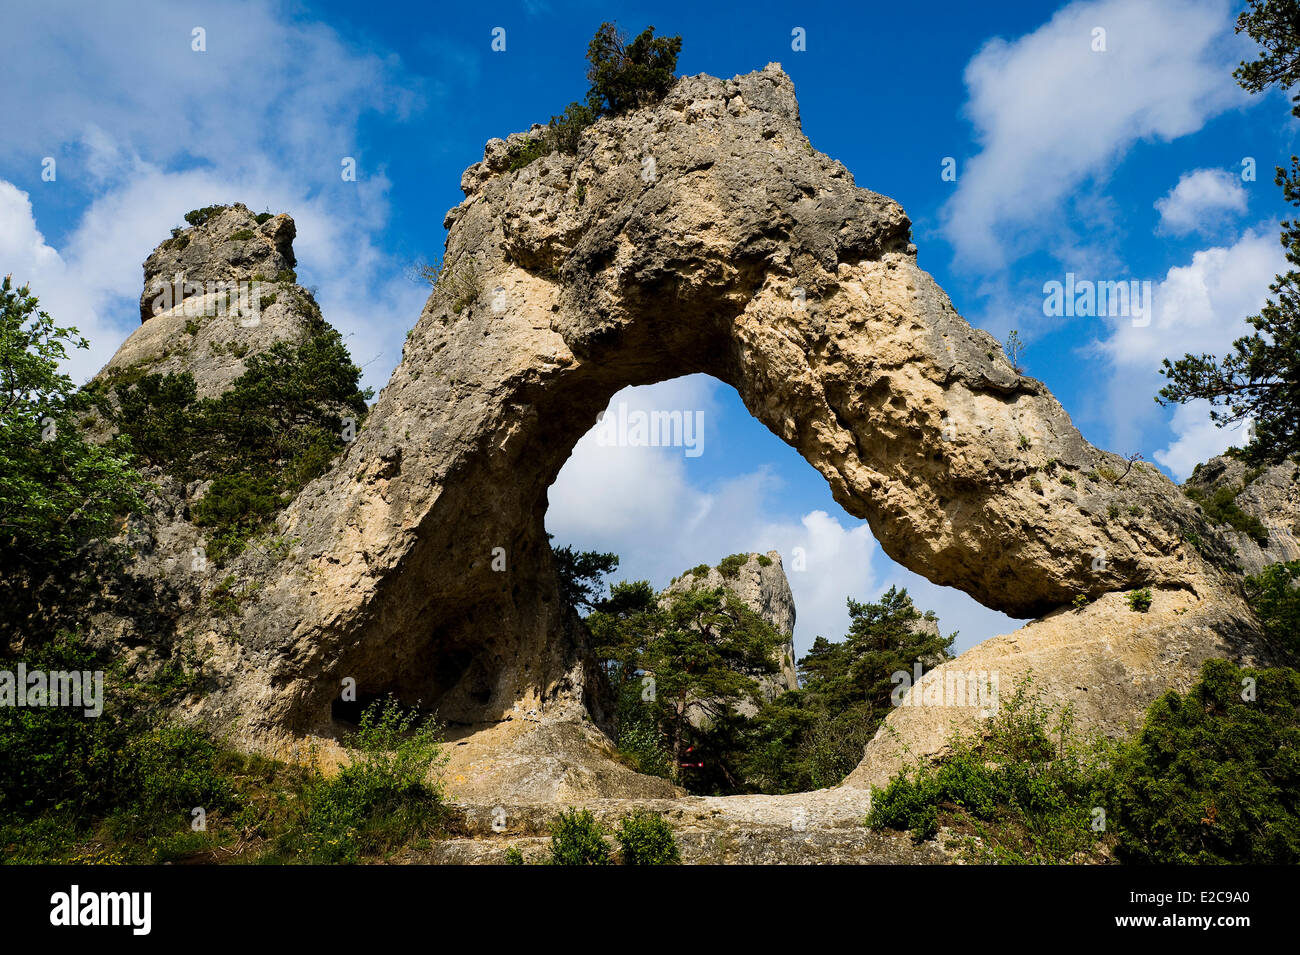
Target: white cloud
{"points": [[641, 503], [1199, 200], [1051, 115], [1198, 308], [644, 505], [1198, 439], [144, 129], [23, 249], [267, 85]]}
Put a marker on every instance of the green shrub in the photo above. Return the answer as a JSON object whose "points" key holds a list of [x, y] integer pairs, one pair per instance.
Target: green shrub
{"points": [[263, 217], [646, 839], [460, 285], [63, 770], [640, 740], [764, 560], [236, 506], [240, 235], [577, 839], [514, 856], [1139, 600], [277, 427], [522, 152], [565, 131], [1220, 507], [382, 798], [623, 76], [1276, 600], [730, 566], [1027, 787], [197, 217], [1213, 778], [626, 75]]}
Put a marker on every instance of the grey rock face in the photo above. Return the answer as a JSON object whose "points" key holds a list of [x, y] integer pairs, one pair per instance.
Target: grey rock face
{"points": [[219, 250], [210, 302], [760, 583], [1272, 496]]}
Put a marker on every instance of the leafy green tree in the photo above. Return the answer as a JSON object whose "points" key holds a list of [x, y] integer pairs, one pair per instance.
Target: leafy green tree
{"points": [[57, 489], [1260, 378], [623, 76], [813, 737], [679, 669], [582, 574], [626, 75], [1275, 26], [1275, 597], [621, 628], [1214, 774], [706, 660]]}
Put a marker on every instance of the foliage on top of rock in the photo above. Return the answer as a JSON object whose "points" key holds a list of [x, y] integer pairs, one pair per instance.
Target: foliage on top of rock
{"points": [[623, 76], [629, 75]]}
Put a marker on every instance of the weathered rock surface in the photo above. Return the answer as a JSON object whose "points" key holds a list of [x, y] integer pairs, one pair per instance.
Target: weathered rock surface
{"points": [[701, 235], [1107, 660], [1272, 496], [209, 303], [817, 828], [760, 583], [229, 247]]}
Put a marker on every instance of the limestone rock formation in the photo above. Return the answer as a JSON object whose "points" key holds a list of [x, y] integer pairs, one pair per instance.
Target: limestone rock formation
{"points": [[759, 582], [226, 309], [704, 234], [229, 246], [210, 301], [1271, 496]]}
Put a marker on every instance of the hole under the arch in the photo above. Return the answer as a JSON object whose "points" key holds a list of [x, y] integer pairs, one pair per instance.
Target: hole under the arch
{"points": [[679, 474]]}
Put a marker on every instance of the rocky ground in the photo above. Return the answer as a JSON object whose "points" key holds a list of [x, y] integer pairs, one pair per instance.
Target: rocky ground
{"points": [[819, 828]]}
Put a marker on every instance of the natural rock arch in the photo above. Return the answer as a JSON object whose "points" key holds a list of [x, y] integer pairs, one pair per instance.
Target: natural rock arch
{"points": [[702, 235]]}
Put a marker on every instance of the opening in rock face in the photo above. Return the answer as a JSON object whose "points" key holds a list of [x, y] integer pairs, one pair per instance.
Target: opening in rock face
{"points": [[679, 474], [423, 565]]}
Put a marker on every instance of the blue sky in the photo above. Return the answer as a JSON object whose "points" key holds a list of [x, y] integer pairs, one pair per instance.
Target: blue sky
{"points": [[1115, 164]]}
